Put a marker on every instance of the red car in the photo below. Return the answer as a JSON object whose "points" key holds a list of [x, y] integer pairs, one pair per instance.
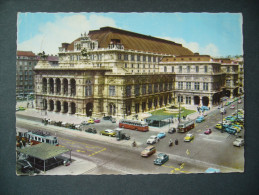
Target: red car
{"points": [[208, 131], [96, 120], [232, 107]]}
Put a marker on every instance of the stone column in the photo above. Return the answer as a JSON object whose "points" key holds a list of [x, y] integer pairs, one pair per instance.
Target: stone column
{"points": [[48, 102], [55, 86], [62, 106], [55, 106], [133, 107], [69, 108], [48, 87]]}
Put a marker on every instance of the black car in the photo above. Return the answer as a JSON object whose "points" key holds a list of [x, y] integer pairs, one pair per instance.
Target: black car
{"points": [[91, 130], [107, 118], [172, 130]]}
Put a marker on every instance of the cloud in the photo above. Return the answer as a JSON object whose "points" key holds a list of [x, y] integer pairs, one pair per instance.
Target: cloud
{"points": [[63, 29], [209, 49]]}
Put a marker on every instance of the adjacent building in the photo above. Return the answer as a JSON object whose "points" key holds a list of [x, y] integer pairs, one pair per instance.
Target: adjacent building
{"points": [[25, 62], [198, 79]]}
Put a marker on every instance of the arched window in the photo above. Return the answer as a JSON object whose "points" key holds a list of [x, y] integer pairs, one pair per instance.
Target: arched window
{"points": [[88, 88]]}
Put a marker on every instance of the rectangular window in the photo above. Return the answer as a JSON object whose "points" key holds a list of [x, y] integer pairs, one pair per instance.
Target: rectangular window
{"points": [[180, 98], [228, 69], [25, 62], [126, 57], [180, 69], [144, 58], [71, 58], [170, 86], [132, 57], [180, 85], [172, 68], [126, 65], [161, 87], [132, 65], [166, 87], [149, 58], [154, 59], [78, 57], [111, 90], [149, 88], [197, 68], [188, 69], [188, 85], [128, 90], [143, 89], [138, 65], [165, 69], [156, 88], [205, 86], [205, 68], [119, 56], [188, 100], [138, 58], [136, 90], [21, 78], [197, 86]]}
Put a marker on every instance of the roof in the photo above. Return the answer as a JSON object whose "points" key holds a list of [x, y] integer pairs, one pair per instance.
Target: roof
{"points": [[159, 117], [25, 53], [135, 41], [43, 151]]}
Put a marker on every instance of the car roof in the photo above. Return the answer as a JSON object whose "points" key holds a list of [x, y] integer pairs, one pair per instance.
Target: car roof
{"points": [[149, 147]]}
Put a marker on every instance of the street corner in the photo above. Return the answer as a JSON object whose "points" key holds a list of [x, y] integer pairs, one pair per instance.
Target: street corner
{"points": [[77, 167]]}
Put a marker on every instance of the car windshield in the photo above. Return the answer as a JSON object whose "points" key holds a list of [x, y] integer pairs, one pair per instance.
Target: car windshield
{"points": [[153, 137], [161, 156]]}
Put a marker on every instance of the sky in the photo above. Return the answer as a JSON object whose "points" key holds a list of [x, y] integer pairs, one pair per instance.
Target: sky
{"points": [[214, 34]]}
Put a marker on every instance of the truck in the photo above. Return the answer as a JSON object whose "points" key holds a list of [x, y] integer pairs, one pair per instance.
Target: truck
{"points": [[185, 126]]}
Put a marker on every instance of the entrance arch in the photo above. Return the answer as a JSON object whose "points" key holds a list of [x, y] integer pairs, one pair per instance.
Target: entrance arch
{"points": [[89, 109], [44, 106], [73, 107], [65, 86], [205, 101], [228, 93], [44, 85], [51, 86], [58, 86], [58, 106], [196, 100]]}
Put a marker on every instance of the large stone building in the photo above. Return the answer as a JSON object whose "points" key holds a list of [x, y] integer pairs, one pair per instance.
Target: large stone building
{"points": [[199, 79], [108, 72], [25, 62]]}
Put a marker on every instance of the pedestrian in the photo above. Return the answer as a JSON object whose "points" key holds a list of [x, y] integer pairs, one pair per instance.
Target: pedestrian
{"points": [[176, 142]]}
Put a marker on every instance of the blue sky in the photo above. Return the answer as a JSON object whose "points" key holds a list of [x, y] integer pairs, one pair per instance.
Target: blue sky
{"points": [[215, 34]]}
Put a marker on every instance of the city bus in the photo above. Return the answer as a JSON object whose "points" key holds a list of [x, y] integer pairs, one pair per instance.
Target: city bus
{"points": [[21, 134], [133, 125], [185, 126]]}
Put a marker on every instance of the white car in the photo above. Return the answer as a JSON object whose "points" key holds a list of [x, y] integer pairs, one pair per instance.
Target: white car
{"points": [[239, 142], [153, 139]]}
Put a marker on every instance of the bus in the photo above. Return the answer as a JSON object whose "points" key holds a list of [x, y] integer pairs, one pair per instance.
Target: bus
{"points": [[185, 126], [133, 125], [21, 134]]}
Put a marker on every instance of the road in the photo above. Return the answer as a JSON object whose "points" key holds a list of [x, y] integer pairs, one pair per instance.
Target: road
{"points": [[204, 151]]}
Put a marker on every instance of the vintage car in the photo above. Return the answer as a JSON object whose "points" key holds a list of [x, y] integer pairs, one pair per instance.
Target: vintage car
{"points": [[189, 137], [91, 130], [208, 131], [90, 121], [22, 108], [96, 120], [107, 117], [161, 159], [161, 135], [148, 151], [108, 132], [172, 130], [239, 142], [152, 139], [199, 119]]}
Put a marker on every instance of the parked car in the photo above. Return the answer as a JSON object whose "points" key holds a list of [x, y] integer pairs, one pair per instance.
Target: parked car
{"points": [[108, 132], [208, 131], [239, 142], [148, 151], [199, 119], [161, 135], [22, 108], [107, 117], [91, 130], [152, 139], [212, 170], [189, 137], [113, 120], [161, 159], [172, 130], [204, 108], [84, 123], [96, 120], [90, 121], [223, 111], [218, 126]]}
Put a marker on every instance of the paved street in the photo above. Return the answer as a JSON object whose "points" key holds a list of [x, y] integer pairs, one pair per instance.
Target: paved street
{"points": [[106, 155]]}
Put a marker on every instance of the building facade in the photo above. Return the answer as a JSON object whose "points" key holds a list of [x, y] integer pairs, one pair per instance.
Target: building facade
{"points": [[25, 62], [199, 80], [107, 72]]}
